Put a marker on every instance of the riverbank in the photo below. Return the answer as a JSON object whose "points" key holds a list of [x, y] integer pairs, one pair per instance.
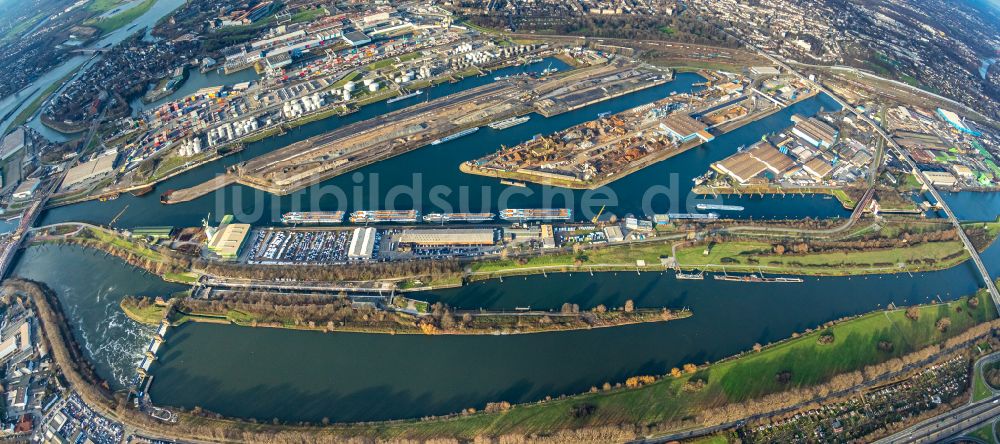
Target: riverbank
{"points": [[685, 398], [751, 256], [385, 321], [30, 110], [112, 23], [929, 249]]}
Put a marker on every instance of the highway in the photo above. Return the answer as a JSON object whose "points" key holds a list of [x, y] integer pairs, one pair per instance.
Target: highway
{"points": [[877, 381], [952, 423], [957, 422]]}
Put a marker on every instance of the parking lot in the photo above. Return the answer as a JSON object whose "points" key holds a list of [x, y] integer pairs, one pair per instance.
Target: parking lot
{"points": [[282, 246], [91, 426]]}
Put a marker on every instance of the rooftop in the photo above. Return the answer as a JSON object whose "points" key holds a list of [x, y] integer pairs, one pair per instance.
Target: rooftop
{"points": [[683, 124], [229, 239], [12, 143], [444, 236]]}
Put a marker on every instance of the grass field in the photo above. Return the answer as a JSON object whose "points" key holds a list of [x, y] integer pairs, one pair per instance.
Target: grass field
{"points": [[987, 433], [750, 255], [101, 6], [391, 61], [743, 256], [120, 242], [979, 388], [151, 314], [16, 30], [120, 19], [184, 278]]}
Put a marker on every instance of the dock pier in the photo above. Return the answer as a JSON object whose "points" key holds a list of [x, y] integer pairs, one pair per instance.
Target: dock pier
{"points": [[202, 189]]}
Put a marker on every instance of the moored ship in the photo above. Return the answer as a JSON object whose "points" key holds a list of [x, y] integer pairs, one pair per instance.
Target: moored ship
{"points": [[462, 133], [404, 96], [364, 217], [507, 123], [458, 217], [536, 214], [312, 217], [719, 207]]}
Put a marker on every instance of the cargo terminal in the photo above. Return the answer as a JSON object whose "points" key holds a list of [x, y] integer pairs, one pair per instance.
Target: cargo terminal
{"points": [[597, 152], [344, 149]]}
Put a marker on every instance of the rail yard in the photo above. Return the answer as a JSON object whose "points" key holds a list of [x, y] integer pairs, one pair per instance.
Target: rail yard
{"points": [[353, 146]]}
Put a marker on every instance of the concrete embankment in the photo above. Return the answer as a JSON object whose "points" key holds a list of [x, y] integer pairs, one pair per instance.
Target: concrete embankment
{"points": [[202, 189]]}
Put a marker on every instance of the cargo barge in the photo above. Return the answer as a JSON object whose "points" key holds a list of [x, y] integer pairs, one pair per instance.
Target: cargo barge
{"points": [[312, 217], [513, 183], [507, 123], [462, 133], [519, 214], [693, 216], [405, 96], [458, 217], [719, 207], [754, 278], [690, 276], [365, 217]]}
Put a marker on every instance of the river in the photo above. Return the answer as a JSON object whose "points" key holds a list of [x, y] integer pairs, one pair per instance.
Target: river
{"points": [[301, 375], [90, 286], [78, 64]]}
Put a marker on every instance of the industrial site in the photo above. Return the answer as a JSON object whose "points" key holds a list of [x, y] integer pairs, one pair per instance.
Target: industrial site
{"points": [[594, 153], [429, 123]]}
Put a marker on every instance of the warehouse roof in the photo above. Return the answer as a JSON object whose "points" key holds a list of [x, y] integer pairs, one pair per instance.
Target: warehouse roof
{"points": [[818, 167], [90, 169], [445, 236], [12, 143], [773, 160], [741, 166], [229, 239], [816, 130], [362, 243], [748, 164], [683, 124]]}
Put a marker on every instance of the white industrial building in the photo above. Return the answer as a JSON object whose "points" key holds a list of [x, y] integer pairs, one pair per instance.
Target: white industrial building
{"points": [[362, 244]]}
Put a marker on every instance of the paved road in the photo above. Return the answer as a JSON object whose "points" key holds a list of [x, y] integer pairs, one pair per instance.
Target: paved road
{"points": [[952, 423]]}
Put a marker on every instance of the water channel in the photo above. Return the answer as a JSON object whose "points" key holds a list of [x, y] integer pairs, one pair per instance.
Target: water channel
{"points": [[297, 375], [428, 179], [78, 64]]}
